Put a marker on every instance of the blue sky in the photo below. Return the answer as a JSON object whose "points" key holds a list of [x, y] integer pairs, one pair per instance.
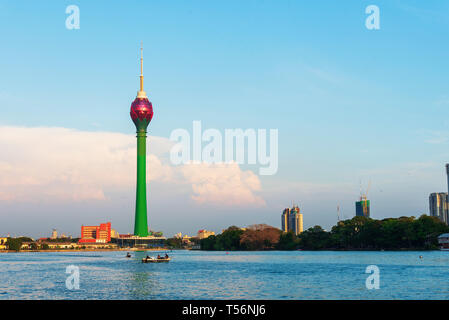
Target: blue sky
{"points": [[350, 103]]}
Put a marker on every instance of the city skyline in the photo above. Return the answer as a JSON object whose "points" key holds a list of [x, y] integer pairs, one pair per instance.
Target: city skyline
{"points": [[350, 104]]}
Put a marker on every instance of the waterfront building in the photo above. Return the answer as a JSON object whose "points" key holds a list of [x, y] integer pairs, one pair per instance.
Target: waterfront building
{"points": [[56, 245], [292, 220], [94, 245], [203, 234], [51, 245], [186, 239], [54, 234], [178, 235], [114, 233], [27, 245], [438, 206], [443, 241], [133, 241], [96, 234], [3, 241]]}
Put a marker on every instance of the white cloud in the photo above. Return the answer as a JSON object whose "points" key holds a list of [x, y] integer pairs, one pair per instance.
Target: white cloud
{"points": [[60, 164], [436, 137], [223, 184]]}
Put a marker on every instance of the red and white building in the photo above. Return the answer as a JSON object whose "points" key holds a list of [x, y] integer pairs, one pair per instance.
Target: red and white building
{"points": [[96, 234]]}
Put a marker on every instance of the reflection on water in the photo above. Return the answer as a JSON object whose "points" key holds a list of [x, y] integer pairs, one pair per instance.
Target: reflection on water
{"points": [[218, 275], [142, 285]]}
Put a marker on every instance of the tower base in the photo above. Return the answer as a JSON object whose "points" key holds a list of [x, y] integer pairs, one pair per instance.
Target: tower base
{"points": [[140, 242]]}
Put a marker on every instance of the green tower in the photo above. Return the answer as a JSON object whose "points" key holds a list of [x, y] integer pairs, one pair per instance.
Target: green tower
{"points": [[141, 114]]}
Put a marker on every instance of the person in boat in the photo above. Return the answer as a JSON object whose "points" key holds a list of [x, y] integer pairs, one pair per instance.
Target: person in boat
{"points": [[166, 256], [158, 256]]}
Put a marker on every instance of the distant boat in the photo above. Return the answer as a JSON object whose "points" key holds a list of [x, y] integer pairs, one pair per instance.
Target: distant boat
{"points": [[128, 255], [155, 260]]}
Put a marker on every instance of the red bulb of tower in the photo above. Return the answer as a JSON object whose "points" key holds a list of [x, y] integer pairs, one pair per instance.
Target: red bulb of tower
{"points": [[141, 110]]}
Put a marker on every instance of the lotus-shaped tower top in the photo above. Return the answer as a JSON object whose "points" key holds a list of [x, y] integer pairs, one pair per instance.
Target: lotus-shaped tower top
{"points": [[141, 108]]}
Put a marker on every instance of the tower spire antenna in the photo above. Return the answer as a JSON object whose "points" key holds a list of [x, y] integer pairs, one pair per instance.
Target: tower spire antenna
{"points": [[141, 93]]}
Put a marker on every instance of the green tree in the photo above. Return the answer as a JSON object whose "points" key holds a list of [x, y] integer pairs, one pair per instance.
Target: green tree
{"points": [[288, 241], [174, 243], [14, 243], [426, 231], [314, 239], [229, 239], [369, 235], [208, 243]]}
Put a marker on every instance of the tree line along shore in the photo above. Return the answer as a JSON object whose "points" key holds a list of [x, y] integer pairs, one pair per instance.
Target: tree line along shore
{"points": [[358, 233]]}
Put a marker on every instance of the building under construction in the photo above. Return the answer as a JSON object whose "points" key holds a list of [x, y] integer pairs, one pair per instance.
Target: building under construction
{"points": [[362, 208]]}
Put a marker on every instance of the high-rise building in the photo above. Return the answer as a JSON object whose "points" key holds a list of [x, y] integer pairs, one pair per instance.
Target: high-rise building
{"points": [[284, 219], [438, 206], [300, 224], [447, 173], [54, 234], [292, 220], [96, 234], [362, 207], [141, 114]]}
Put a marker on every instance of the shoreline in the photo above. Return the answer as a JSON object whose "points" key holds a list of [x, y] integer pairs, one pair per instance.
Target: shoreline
{"points": [[166, 249], [85, 250]]}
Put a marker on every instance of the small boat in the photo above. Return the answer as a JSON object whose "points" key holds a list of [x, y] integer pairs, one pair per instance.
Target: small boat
{"points": [[154, 260], [128, 255]]}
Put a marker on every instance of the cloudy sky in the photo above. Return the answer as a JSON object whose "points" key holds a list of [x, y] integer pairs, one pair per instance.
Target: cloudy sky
{"points": [[351, 105]]}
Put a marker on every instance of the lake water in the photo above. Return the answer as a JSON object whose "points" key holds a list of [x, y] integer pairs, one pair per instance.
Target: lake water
{"points": [[217, 275]]}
